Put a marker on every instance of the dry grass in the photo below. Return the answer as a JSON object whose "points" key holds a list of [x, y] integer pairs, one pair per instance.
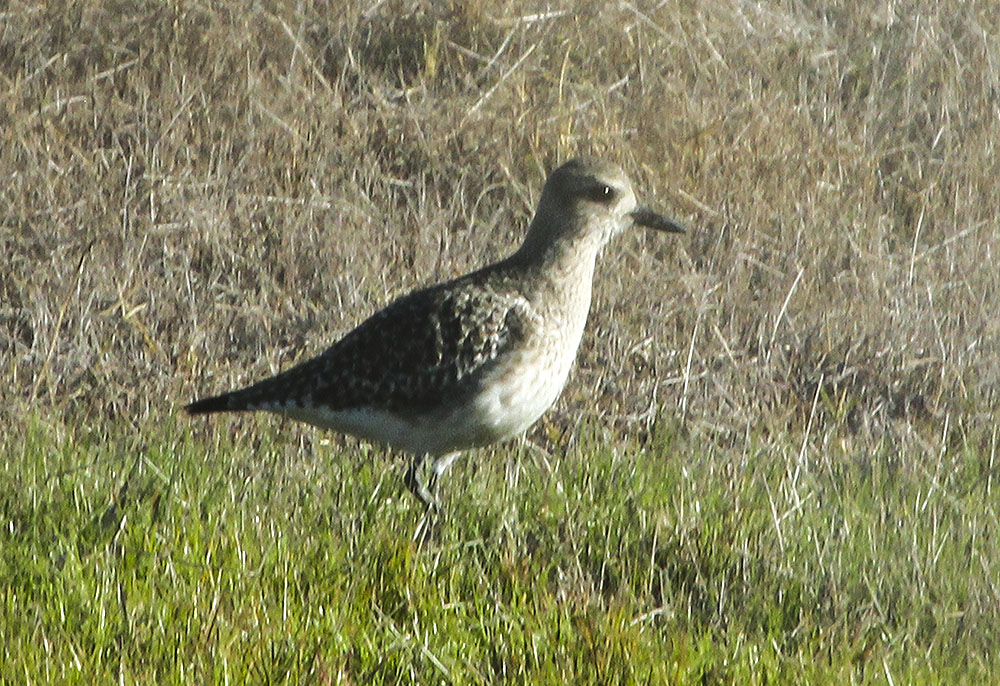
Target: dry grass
{"points": [[197, 191], [198, 194]]}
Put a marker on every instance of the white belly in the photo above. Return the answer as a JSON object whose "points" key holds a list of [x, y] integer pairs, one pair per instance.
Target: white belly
{"points": [[517, 393]]}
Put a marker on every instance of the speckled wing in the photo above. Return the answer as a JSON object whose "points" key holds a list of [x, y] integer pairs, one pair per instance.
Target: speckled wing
{"points": [[406, 358]]}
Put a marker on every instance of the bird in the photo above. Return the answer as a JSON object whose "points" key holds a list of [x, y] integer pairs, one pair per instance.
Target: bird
{"points": [[474, 360]]}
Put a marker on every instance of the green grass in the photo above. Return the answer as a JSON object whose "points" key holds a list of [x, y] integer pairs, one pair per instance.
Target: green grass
{"points": [[169, 558]]}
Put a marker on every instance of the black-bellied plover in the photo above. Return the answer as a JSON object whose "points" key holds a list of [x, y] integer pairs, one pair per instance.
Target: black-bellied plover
{"points": [[473, 360]]}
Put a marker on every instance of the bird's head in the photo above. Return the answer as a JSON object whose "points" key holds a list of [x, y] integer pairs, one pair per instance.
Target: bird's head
{"points": [[591, 198]]}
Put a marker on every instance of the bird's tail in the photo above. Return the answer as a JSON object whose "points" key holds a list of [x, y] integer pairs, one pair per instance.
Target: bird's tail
{"points": [[227, 402], [272, 393]]}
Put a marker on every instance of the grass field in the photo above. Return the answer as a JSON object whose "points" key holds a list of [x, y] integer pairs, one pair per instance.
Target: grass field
{"points": [[775, 462]]}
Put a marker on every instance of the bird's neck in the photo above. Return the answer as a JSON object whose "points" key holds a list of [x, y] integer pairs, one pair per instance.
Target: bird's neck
{"points": [[545, 248], [560, 268]]}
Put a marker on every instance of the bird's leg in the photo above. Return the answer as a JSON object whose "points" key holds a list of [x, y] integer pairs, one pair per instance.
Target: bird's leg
{"points": [[417, 486], [428, 529], [439, 467]]}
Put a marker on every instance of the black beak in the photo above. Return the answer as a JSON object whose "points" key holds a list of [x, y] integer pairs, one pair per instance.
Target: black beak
{"points": [[643, 216]]}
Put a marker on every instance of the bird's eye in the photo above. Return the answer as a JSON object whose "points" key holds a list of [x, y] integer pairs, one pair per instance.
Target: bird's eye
{"points": [[601, 193]]}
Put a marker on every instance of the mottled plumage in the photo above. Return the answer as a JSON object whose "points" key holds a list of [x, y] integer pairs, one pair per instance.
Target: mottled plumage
{"points": [[473, 360], [439, 337]]}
